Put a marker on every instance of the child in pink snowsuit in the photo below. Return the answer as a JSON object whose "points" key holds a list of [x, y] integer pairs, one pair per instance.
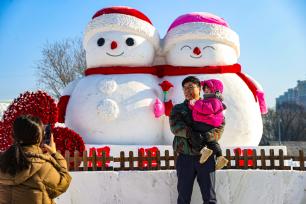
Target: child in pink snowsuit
{"points": [[209, 121]]}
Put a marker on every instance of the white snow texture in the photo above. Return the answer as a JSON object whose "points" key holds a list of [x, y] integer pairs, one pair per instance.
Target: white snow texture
{"points": [[232, 187]]}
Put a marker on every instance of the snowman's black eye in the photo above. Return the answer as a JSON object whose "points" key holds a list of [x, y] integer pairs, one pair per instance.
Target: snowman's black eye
{"points": [[101, 42], [211, 47], [130, 42], [186, 46]]}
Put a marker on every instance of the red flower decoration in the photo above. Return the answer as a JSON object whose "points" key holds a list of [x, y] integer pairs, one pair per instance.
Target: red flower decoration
{"points": [[67, 139], [38, 104], [144, 153], [99, 152], [166, 85], [5, 137], [42, 105], [239, 151]]}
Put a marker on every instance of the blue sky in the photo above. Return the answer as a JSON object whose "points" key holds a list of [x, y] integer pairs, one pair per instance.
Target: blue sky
{"points": [[272, 35]]}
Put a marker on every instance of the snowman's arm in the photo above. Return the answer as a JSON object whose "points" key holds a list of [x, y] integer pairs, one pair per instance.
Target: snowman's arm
{"points": [[64, 99], [260, 95]]}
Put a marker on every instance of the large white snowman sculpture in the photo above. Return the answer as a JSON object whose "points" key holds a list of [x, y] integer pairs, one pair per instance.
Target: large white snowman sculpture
{"points": [[203, 45], [113, 103]]}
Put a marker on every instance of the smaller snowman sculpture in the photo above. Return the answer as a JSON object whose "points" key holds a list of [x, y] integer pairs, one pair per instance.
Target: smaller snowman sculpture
{"points": [[114, 102], [203, 45]]}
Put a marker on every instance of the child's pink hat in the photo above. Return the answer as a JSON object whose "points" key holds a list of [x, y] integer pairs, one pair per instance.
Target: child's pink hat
{"points": [[213, 84]]}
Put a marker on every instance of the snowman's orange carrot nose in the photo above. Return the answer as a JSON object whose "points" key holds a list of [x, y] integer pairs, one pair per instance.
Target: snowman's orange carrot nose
{"points": [[196, 51], [114, 45]]}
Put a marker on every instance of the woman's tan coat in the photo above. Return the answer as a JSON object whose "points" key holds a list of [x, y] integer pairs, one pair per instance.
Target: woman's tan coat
{"points": [[46, 179]]}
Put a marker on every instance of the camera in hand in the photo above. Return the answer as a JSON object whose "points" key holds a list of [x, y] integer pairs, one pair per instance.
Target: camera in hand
{"points": [[47, 136]]}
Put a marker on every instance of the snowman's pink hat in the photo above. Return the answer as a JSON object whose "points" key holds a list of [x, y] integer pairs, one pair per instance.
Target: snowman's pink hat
{"points": [[202, 26], [123, 19]]}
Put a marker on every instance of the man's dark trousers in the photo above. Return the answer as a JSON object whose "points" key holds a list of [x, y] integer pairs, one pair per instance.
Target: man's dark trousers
{"points": [[188, 168]]}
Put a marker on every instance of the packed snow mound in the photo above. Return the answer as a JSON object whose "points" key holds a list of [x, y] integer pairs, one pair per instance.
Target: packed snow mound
{"points": [[3, 107], [232, 187]]}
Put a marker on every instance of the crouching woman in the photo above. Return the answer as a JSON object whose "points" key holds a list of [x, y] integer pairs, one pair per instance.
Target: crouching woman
{"points": [[27, 175]]}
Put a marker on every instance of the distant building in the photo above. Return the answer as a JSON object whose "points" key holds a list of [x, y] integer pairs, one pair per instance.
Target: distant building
{"points": [[294, 95]]}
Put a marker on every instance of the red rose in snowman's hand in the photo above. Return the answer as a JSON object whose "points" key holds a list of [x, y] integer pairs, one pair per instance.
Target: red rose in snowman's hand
{"points": [[166, 85]]}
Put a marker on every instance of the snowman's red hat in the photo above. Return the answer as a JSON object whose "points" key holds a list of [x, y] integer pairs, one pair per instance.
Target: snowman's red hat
{"points": [[202, 26], [124, 19]]}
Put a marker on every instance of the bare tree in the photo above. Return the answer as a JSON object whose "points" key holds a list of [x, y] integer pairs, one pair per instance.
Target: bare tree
{"points": [[269, 127], [293, 121], [289, 120], [61, 62]]}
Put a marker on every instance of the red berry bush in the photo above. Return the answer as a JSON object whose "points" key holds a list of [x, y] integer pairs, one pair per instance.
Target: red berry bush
{"points": [[42, 105]]}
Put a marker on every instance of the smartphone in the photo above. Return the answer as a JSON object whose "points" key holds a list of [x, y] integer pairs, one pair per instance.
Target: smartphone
{"points": [[47, 136]]}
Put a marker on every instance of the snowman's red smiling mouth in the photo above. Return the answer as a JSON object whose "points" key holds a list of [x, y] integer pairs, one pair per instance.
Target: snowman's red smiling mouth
{"points": [[115, 55]]}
